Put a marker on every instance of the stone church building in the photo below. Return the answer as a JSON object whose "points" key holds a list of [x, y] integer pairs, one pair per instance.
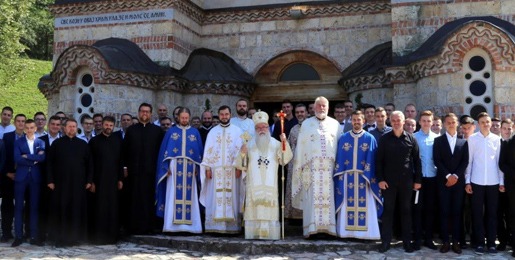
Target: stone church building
{"points": [[444, 55]]}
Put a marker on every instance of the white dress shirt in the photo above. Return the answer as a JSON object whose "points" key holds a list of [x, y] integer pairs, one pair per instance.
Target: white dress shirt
{"points": [[483, 168]]}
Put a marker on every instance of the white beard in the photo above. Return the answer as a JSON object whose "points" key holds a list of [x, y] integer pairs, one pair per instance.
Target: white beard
{"points": [[321, 115], [262, 141]]}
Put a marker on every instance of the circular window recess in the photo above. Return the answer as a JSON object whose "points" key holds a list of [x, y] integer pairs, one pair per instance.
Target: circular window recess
{"points": [[468, 100], [91, 110], [477, 63], [487, 100], [486, 75], [81, 90], [86, 80], [92, 90], [79, 110], [475, 110], [79, 131], [468, 76], [477, 88], [86, 100]]}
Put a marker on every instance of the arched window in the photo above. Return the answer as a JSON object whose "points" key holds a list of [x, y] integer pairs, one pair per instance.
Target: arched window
{"points": [[84, 98], [299, 72], [478, 83]]}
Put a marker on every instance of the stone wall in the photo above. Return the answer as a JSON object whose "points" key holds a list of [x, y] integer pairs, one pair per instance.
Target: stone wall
{"points": [[414, 22], [341, 39]]}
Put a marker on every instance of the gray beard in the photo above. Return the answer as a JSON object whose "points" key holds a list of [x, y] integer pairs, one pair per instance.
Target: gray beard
{"points": [[262, 142]]}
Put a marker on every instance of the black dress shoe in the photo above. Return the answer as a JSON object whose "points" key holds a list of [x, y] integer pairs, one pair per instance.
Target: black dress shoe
{"points": [[414, 246], [430, 245], [409, 249], [501, 247], [384, 247], [445, 248], [17, 242], [456, 248], [36, 242]]}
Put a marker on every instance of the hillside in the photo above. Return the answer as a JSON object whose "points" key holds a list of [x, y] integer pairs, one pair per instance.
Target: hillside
{"points": [[23, 94]]}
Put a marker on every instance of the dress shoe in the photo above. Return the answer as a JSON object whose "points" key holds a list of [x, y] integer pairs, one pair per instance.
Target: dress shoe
{"points": [[430, 245], [501, 247], [36, 242], [384, 247], [463, 245], [5, 239], [456, 248], [414, 246], [409, 249], [445, 248], [17, 242]]}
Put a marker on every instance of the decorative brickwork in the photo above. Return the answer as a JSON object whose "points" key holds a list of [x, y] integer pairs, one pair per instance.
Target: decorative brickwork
{"points": [[477, 34]]}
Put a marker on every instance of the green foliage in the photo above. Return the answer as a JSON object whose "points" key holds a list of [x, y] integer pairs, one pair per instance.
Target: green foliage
{"points": [[12, 12], [38, 31], [21, 91]]}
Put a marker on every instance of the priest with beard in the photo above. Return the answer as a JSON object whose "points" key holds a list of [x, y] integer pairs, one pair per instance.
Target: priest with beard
{"points": [[179, 159], [312, 184], [265, 154], [220, 179], [358, 202], [69, 175], [106, 150], [140, 151]]}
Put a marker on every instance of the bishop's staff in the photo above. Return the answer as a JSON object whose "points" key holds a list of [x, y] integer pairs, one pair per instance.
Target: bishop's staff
{"points": [[281, 116]]}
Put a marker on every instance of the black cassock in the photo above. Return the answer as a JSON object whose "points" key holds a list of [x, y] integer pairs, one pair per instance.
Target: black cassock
{"points": [[106, 152], [140, 148], [69, 167]]}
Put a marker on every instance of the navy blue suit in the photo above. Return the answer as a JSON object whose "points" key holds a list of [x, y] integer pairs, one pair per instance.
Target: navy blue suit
{"points": [[2, 155], [451, 198], [28, 174], [7, 186]]}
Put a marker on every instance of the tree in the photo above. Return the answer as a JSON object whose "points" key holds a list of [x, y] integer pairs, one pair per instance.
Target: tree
{"points": [[38, 31], [12, 12]]}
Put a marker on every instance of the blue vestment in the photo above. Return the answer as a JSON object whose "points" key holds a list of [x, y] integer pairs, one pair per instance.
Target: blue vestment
{"points": [[183, 146], [355, 167]]}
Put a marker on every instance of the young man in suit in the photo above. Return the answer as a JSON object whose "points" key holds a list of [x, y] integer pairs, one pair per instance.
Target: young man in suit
{"points": [[29, 151], [7, 177], [450, 155]]}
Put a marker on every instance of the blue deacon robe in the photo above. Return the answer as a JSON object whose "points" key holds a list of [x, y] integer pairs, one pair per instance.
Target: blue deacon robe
{"points": [[354, 173], [181, 149]]}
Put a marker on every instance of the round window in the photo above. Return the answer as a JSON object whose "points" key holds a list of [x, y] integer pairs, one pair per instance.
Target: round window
{"points": [[477, 63]]}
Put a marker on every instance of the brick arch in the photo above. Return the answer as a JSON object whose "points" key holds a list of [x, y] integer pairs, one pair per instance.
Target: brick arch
{"points": [[479, 34], [499, 46], [74, 58], [270, 89]]}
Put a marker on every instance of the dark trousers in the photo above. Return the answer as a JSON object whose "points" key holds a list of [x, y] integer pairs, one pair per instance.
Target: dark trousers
{"points": [[451, 211], [401, 192], [20, 188], [486, 197], [424, 211], [7, 207], [503, 219]]}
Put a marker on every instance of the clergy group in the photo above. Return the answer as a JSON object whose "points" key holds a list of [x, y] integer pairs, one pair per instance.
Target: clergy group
{"points": [[351, 176]]}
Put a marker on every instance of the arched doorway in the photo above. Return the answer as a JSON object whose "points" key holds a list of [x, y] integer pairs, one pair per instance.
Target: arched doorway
{"points": [[299, 76]]}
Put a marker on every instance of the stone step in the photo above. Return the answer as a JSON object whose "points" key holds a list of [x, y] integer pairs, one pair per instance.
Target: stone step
{"points": [[220, 243]]}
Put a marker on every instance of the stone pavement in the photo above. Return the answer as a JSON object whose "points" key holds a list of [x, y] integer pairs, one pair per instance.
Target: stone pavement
{"points": [[216, 247]]}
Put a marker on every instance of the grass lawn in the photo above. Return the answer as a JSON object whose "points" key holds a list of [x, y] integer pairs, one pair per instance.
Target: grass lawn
{"points": [[23, 94]]}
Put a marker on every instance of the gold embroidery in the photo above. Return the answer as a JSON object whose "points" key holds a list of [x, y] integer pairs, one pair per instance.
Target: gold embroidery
{"points": [[364, 147], [192, 138], [347, 147], [175, 136], [175, 150]]}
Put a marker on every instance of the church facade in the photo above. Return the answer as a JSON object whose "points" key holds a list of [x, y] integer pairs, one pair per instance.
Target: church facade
{"points": [[447, 56]]}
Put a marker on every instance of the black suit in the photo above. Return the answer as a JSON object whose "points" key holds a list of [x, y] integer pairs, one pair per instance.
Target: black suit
{"points": [[451, 198], [507, 165], [7, 186]]}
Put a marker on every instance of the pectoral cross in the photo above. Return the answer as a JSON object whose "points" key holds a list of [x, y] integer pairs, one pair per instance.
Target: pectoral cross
{"points": [[246, 138]]}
